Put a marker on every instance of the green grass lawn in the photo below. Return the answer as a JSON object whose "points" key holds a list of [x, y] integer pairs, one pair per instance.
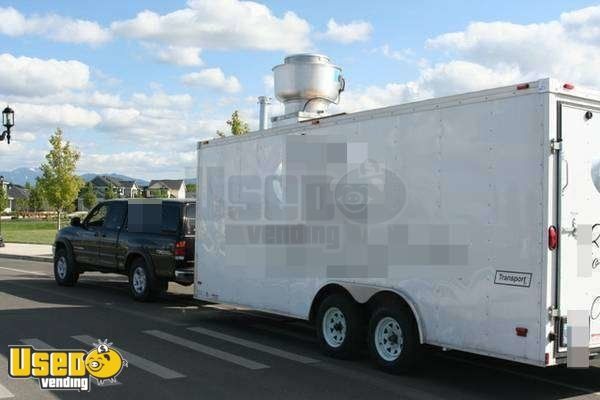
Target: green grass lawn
{"points": [[30, 231]]}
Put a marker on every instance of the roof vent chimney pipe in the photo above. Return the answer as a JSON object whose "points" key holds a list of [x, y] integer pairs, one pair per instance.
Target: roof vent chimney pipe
{"points": [[263, 112]]}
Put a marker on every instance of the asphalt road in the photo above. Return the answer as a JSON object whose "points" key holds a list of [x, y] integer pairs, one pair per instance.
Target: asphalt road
{"points": [[181, 348]]}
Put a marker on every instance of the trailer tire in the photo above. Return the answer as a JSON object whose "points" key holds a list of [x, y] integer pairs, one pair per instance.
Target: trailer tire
{"points": [[339, 326], [65, 269], [393, 339], [143, 286]]}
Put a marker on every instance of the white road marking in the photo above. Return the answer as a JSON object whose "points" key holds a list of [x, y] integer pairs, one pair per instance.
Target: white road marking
{"points": [[256, 346], [523, 375], [232, 358], [25, 271], [140, 362], [5, 393], [41, 345]]}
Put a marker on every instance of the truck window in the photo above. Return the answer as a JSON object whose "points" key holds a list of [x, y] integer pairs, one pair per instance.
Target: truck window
{"points": [[171, 217], [97, 217], [190, 219], [115, 216]]}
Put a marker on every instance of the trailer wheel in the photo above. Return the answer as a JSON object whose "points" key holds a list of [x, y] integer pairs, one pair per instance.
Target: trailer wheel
{"points": [[393, 339], [339, 326], [65, 270]]}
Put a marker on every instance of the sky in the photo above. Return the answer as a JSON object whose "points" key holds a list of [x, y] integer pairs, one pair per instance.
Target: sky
{"points": [[135, 84]]}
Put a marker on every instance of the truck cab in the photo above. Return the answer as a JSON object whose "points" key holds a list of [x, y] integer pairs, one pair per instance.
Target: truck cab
{"points": [[149, 240]]}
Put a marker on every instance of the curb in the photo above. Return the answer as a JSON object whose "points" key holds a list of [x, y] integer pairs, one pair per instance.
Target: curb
{"points": [[29, 258]]}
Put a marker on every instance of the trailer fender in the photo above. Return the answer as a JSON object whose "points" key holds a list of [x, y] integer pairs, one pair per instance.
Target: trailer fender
{"points": [[363, 293]]}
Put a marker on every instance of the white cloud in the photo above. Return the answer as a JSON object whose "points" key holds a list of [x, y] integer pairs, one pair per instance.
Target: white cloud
{"points": [[34, 76], [213, 78], [440, 80], [52, 116], [117, 118], [583, 23], [24, 137], [563, 49], [224, 24], [52, 26], [355, 31], [185, 56], [101, 99], [398, 55], [491, 54], [160, 99], [164, 164]]}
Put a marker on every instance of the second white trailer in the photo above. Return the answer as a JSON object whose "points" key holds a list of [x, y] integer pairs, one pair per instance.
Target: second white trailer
{"points": [[468, 222]]}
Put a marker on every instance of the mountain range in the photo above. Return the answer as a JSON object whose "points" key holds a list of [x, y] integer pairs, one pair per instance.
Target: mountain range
{"points": [[20, 176]]}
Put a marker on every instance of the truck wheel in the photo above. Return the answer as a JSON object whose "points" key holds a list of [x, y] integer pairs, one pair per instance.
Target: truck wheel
{"points": [[393, 339], [142, 284], [339, 327], [65, 270]]}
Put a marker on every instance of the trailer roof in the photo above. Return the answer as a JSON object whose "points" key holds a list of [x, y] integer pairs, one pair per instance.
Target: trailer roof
{"points": [[546, 85]]}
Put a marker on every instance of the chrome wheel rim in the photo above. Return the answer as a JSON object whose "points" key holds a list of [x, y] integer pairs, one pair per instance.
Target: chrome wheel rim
{"points": [[139, 280], [61, 267], [334, 327], [389, 339]]}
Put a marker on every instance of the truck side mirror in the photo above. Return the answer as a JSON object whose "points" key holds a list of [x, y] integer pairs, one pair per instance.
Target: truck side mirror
{"points": [[75, 221]]}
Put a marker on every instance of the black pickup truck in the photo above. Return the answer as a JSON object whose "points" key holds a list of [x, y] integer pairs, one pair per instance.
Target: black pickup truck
{"points": [[149, 240]]}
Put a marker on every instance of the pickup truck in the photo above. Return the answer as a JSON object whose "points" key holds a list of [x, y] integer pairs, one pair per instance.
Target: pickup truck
{"points": [[149, 240]]}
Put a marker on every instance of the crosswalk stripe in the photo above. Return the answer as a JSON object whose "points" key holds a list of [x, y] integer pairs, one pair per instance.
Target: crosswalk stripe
{"points": [[140, 362], [5, 393], [256, 346], [41, 345], [232, 358]]}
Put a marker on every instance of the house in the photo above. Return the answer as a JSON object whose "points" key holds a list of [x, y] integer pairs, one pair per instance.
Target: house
{"points": [[14, 194], [122, 188], [130, 189], [170, 188]]}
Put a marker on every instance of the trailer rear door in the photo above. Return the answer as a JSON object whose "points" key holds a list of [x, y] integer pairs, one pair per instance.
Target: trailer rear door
{"points": [[579, 216]]}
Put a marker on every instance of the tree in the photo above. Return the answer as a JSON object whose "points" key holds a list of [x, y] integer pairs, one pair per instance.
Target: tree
{"points": [[237, 125], [109, 192], [36, 198], [21, 205], [88, 195], [160, 193], [190, 188], [58, 181]]}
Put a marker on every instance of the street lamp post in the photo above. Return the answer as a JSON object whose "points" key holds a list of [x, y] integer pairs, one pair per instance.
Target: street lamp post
{"points": [[8, 121], [1, 211]]}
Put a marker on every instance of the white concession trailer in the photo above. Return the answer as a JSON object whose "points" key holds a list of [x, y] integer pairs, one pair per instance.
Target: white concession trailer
{"points": [[469, 222]]}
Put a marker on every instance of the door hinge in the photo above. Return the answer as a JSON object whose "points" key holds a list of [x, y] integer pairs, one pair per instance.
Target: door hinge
{"points": [[555, 145], [553, 312]]}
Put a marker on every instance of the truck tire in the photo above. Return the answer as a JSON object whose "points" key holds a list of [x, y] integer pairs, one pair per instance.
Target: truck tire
{"points": [[339, 327], [393, 339], [65, 270], [143, 286]]}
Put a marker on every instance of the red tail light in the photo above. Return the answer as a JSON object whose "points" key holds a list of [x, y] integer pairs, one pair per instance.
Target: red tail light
{"points": [[523, 86], [552, 238], [180, 249], [569, 86], [520, 331]]}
